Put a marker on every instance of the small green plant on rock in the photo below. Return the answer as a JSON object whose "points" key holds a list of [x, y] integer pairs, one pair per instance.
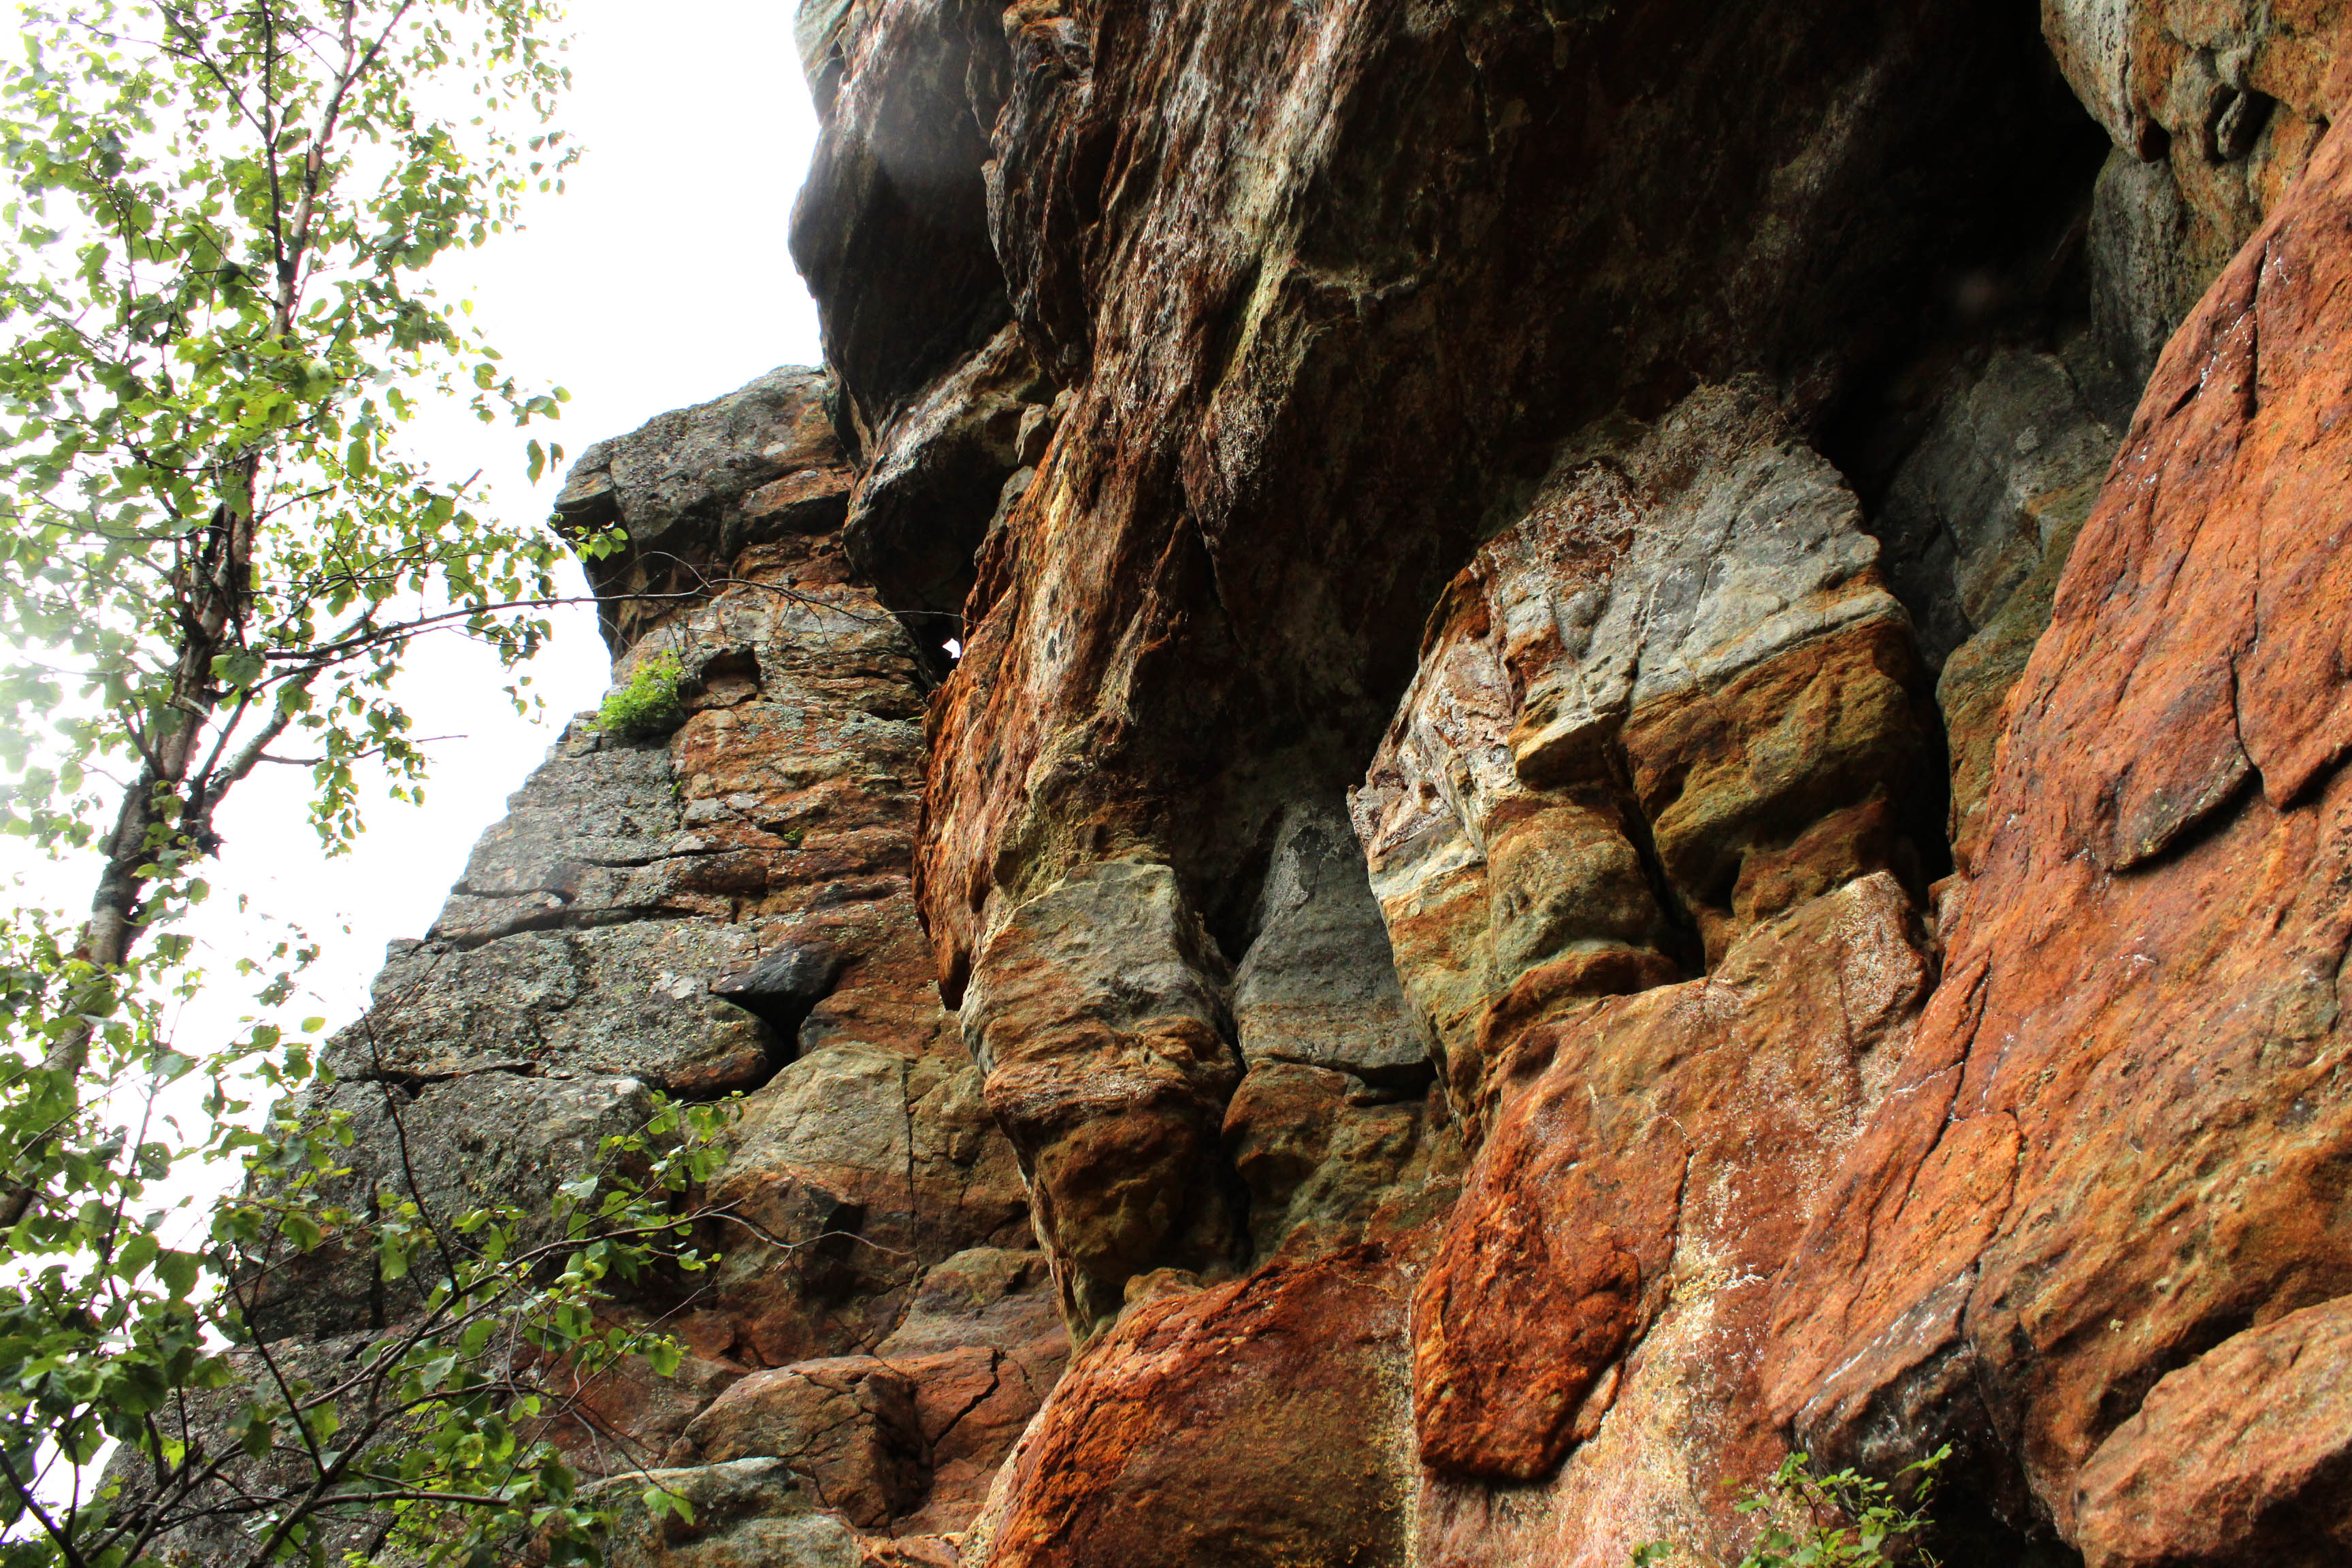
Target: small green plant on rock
{"points": [[648, 705], [1843, 1520]]}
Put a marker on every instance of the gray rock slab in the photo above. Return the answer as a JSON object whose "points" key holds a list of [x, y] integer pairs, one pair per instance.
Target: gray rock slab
{"points": [[1319, 984], [631, 1000]]}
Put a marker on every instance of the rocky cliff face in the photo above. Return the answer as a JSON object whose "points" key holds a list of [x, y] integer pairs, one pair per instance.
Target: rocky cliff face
{"points": [[1524, 750]]}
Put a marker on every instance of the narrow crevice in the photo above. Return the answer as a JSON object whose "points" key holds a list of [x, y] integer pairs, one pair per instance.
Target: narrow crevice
{"points": [[1683, 943], [415, 1083], [564, 919]]}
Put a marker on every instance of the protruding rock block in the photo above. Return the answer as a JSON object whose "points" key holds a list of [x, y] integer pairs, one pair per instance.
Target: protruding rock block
{"points": [[1328, 1158], [1319, 985], [695, 488], [1672, 702], [1261, 1424], [1602, 1288], [2245, 1455], [891, 227], [847, 1425], [2228, 101], [1098, 1011], [939, 478]]}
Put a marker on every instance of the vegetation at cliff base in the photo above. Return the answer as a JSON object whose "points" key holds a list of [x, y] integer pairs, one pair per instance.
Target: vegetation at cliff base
{"points": [[1843, 1519]]}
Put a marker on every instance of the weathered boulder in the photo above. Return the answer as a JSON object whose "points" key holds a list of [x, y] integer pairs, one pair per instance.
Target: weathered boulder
{"points": [[984, 1344], [694, 487], [1257, 1425]]}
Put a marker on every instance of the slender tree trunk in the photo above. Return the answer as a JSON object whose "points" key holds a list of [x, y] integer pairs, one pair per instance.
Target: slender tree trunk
{"points": [[215, 601]]}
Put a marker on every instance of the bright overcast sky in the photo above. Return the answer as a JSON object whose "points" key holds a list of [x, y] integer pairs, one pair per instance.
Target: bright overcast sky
{"points": [[660, 278]]}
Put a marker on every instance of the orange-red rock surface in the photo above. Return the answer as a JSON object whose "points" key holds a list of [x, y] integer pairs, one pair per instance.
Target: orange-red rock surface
{"points": [[2116, 1148], [1477, 761]]}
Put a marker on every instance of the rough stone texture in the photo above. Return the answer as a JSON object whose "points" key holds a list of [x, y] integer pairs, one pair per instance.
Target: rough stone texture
{"points": [[1320, 986], [984, 1344], [1977, 524], [451, 1145], [891, 228], [725, 910], [1255, 1425], [752, 1513], [1328, 285], [2226, 100], [1329, 1159], [2118, 1141], [1101, 1024], [2247, 1450], [1673, 699], [941, 475], [1836, 939], [847, 1423], [1604, 1284], [694, 487]]}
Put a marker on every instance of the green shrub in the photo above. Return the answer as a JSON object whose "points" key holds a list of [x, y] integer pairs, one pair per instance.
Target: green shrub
{"points": [[648, 704], [1842, 1521]]}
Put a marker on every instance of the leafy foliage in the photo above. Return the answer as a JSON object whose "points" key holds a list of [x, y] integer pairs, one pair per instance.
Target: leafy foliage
{"points": [[648, 704], [1846, 1519], [130, 1323], [216, 217], [217, 327]]}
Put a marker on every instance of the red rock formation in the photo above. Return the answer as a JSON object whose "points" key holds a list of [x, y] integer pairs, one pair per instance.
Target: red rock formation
{"points": [[2116, 1147], [1581, 837], [1257, 1422]]}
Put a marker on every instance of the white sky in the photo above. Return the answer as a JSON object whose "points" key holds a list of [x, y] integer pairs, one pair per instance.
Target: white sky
{"points": [[660, 278]]}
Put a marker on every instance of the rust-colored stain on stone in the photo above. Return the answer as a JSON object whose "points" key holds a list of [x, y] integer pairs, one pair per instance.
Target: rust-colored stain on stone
{"points": [[1474, 762]]}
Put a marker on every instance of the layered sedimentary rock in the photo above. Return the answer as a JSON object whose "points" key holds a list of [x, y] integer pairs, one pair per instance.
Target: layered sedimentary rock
{"points": [[725, 908], [1525, 751]]}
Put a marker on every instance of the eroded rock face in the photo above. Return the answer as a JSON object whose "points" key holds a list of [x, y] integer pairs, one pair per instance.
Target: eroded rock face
{"points": [[1978, 522], [2113, 1151], [1587, 830], [1255, 1425], [1328, 285], [1674, 700], [726, 908], [2204, 1473], [2230, 98], [1101, 1021], [1603, 1287]]}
